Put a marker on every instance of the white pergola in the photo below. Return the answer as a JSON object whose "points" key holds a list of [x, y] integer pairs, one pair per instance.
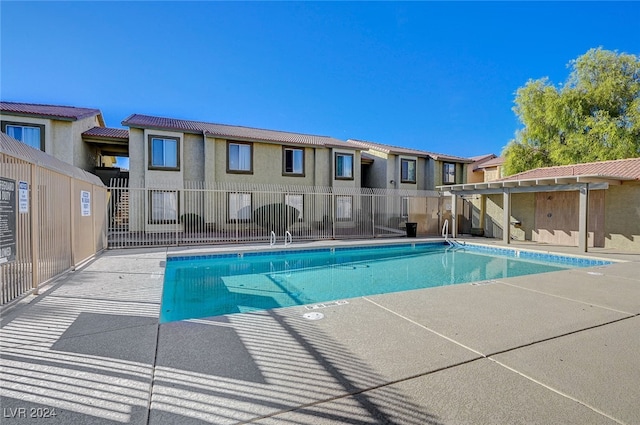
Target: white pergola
{"points": [[581, 183]]}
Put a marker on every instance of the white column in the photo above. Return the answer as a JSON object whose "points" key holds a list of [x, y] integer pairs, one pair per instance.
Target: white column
{"points": [[506, 217], [583, 215]]}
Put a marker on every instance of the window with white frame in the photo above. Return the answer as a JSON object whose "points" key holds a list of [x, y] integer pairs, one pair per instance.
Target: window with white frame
{"points": [[448, 173], [344, 166], [29, 134], [164, 153], [240, 207], [293, 161], [296, 201], [408, 170], [239, 157], [344, 207], [164, 206]]}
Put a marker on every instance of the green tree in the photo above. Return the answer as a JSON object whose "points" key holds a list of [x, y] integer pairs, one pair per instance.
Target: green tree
{"points": [[594, 116]]}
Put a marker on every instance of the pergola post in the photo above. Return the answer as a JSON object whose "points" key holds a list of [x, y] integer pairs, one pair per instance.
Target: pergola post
{"points": [[506, 216], [583, 216], [454, 215]]}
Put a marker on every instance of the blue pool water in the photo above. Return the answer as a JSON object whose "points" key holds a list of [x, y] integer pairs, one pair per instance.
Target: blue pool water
{"points": [[232, 283]]}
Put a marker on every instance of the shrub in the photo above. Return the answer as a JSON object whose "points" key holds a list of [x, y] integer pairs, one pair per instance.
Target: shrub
{"points": [[192, 222], [276, 217]]}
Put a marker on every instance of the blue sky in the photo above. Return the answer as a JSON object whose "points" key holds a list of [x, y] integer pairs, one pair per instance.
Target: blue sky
{"points": [[438, 76]]}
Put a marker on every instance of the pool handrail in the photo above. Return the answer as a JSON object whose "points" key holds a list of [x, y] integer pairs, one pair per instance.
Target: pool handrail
{"points": [[288, 233], [272, 238], [445, 232]]}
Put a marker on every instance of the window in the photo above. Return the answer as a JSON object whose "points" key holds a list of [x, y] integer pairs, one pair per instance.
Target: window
{"points": [[32, 135], [404, 207], [344, 207], [448, 173], [239, 207], [408, 171], [164, 207], [344, 166], [239, 157], [164, 153], [293, 161], [295, 201]]}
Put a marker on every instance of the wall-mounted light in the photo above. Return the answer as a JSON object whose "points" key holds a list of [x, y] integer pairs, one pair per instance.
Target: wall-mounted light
{"points": [[392, 181]]}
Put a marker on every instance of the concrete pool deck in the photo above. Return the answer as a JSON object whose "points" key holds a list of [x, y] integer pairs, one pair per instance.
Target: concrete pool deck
{"points": [[561, 348]]}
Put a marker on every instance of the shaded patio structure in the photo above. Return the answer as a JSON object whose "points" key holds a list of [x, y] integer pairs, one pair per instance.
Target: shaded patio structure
{"points": [[585, 205]]}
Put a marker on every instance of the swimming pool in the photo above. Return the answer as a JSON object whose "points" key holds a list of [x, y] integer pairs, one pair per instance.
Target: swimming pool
{"points": [[211, 285]]}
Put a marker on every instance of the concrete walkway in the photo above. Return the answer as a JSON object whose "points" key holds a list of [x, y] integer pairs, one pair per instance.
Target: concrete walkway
{"points": [[556, 348]]}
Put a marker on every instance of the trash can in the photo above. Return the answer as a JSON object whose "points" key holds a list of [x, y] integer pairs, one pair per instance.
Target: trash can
{"points": [[412, 229]]}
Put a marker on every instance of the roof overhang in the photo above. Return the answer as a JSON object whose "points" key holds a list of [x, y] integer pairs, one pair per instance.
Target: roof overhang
{"points": [[109, 145], [69, 118], [546, 184], [232, 137]]}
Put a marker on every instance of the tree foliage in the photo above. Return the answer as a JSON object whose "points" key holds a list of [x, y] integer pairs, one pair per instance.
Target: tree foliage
{"points": [[594, 116]]}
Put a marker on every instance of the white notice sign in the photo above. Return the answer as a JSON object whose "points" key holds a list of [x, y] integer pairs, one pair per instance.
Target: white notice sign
{"points": [[85, 203], [23, 197]]}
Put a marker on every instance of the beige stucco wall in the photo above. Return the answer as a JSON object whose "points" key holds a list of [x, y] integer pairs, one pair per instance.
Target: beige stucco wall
{"points": [[523, 209], [356, 169], [206, 160], [387, 168], [137, 169], [136, 156], [164, 178], [48, 138], [161, 178], [141, 177], [63, 139], [393, 173], [193, 160], [491, 174], [493, 216], [422, 176], [435, 169], [475, 176], [85, 155], [323, 167], [267, 165], [622, 217], [378, 171]]}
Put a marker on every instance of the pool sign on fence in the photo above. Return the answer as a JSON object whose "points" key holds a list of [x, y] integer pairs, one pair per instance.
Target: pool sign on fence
{"points": [[23, 197], [85, 203], [7, 220]]}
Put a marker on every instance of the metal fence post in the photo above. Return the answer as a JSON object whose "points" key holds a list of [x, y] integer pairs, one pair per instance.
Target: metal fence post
{"points": [[333, 215], [373, 217]]}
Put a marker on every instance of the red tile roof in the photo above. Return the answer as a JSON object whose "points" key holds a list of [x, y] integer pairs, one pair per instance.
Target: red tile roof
{"points": [[405, 151], [48, 111], [230, 131], [625, 168], [106, 132]]}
